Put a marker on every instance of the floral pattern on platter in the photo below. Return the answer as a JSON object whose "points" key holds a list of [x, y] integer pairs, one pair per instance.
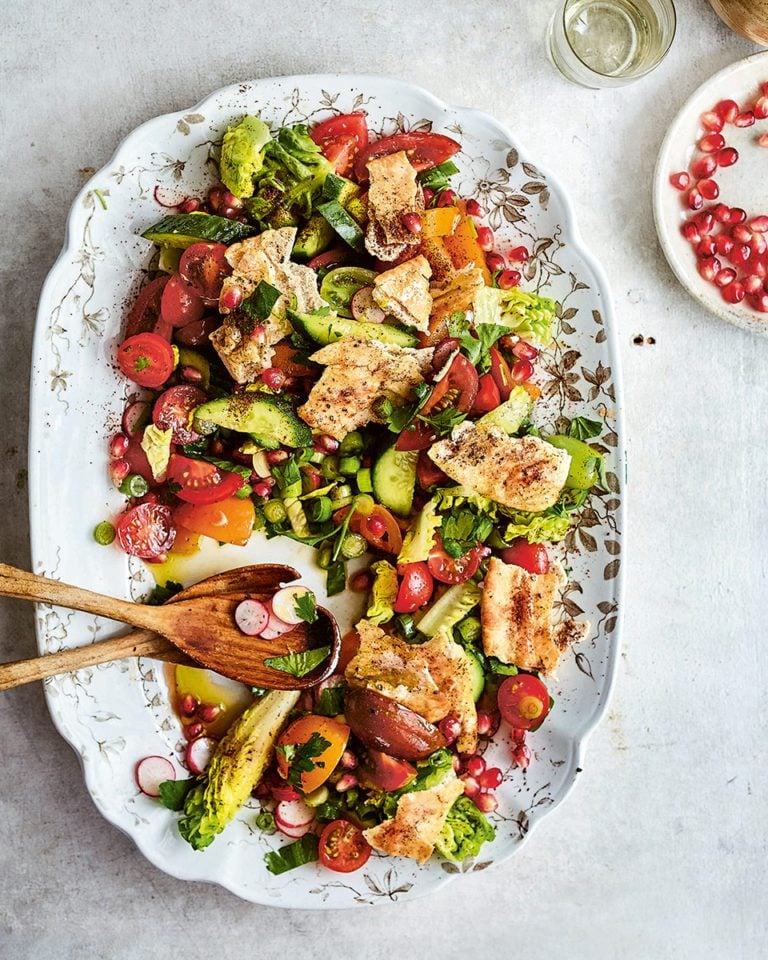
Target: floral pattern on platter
{"points": [[117, 713]]}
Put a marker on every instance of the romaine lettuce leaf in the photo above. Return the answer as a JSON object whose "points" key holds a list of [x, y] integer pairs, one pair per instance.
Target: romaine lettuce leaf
{"points": [[464, 832], [420, 538], [383, 593], [528, 315]]}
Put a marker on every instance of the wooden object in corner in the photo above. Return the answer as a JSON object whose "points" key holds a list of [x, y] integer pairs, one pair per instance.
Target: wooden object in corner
{"points": [[747, 17]]}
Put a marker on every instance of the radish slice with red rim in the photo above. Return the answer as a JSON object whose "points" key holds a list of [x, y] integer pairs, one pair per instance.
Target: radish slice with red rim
{"points": [[251, 616], [294, 814], [284, 604], [294, 833], [275, 627], [135, 417], [365, 308], [151, 772], [199, 753]]}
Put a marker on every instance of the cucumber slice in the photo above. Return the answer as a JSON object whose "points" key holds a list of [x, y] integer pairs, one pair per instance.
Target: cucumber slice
{"points": [[478, 674], [340, 189], [509, 416], [394, 479], [182, 230], [313, 238], [329, 327], [343, 224], [268, 418]]}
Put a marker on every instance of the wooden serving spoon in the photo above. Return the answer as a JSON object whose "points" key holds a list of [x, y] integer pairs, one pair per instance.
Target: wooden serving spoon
{"points": [[196, 626]]}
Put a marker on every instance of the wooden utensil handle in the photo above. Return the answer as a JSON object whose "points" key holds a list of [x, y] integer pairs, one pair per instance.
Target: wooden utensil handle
{"points": [[28, 586], [137, 643]]}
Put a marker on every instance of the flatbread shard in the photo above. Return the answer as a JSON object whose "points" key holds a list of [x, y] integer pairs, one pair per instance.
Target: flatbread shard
{"points": [[455, 292], [516, 616], [416, 826], [523, 473], [404, 293], [434, 679], [357, 374], [393, 192]]}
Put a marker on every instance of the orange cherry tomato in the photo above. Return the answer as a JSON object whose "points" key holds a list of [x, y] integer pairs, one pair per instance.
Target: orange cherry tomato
{"points": [[228, 521], [299, 733], [379, 528]]}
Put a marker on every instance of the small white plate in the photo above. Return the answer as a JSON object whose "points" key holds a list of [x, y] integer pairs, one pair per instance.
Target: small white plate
{"points": [[744, 185]]}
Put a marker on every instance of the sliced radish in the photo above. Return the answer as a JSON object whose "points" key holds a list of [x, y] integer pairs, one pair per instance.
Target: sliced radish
{"points": [[275, 627], [284, 603], [199, 753], [135, 418], [294, 814], [151, 772], [251, 616], [365, 308], [294, 833]]}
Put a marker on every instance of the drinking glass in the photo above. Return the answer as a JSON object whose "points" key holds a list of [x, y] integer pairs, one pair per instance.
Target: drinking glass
{"points": [[607, 43]]}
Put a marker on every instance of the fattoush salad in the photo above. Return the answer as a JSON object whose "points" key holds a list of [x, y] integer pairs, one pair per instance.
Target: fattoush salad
{"points": [[332, 348]]}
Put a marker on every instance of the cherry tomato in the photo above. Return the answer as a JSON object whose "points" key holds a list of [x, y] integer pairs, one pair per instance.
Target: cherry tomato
{"points": [[523, 701], [532, 557], [147, 359], [146, 531], [204, 267], [502, 376], [428, 474], [228, 521], [415, 588], [353, 125], [425, 150], [446, 569], [379, 528], [145, 314], [343, 847], [201, 482], [457, 389], [137, 460], [329, 258], [300, 732], [488, 396], [340, 153], [180, 304], [173, 408]]}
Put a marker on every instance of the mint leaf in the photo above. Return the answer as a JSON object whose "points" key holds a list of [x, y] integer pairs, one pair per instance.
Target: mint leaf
{"points": [[173, 793], [584, 429], [306, 608], [294, 855], [299, 664], [259, 305]]}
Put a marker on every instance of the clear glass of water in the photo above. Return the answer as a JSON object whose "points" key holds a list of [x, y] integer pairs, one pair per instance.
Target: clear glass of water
{"points": [[607, 43]]}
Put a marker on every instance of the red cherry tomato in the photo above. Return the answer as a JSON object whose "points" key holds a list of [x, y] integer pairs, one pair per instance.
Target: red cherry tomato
{"points": [[446, 569], [204, 266], [201, 482], [147, 359], [343, 847], [173, 408], [180, 303], [502, 376], [532, 557], [425, 150], [523, 701], [457, 389], [146, 531], [340, 153], [145, 314], [415, 588], [488, 396], [353, 125], [428, 474], [329, 258]]}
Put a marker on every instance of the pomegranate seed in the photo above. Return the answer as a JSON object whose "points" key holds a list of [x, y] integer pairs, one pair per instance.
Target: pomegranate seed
{"points": [[190, 205], [413, 223], [273, 377], [764, 88], [484, 723], [762, 140], [711, 143], [475, 766], [757, 244], [746, 119], [508, 279], [741, 233], [695, 200], [474, 209], [230, 200], [680, 181], [471, 786], [491, 778], [704, 221], [740, 254], [522, 371], [118, 446], [704, 167], [118, 471], [690, 231], [524, 351], [262, 489], [450, 728], [708, 189], [231, 298], [188, 705], [456, 765], [193, 730], [727, 110], [723, 244], [447, 198], [429, 195], [725, 277], [753, 284], [759, 224], [485, 803], [760, 302], [709, 267], [733, 292], [737, 215], [760, 108], [757, 266], [276, 456], [521, 254], [495, 262], [706, 247], [727, 156], [348, 760], [722, 213], [712, 121], [346, 781], [360, 582], [214, 197], [191, 374], [375, 526], [485, 239], [521, 756], [229, 212], [208, 712], [326, 444]]}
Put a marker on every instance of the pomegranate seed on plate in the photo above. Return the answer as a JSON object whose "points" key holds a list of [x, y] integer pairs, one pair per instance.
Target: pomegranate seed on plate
{"points": [[708, 189], [723, 244], [758, 266], [759, 224], [193, 730], [524, 351], [118, 471], [118, 446], [757, 244], [695, 200], [711, 143], [190, 205], [725, 277], [475, 766], [680, 181], [727, 110], [262, 489], [712, 121], [522, 371], [188, 705], [727, 156], [485, 239], [450, 728], [691, 232], [474, 209], [709, 267], [471, 786], [273, 377], [753, 284], [737, 215], [495, 262], [521, 254], [484, 723], [704, 221], [746, 119], [486, 803], [722, 213], [760, 108], [740, 254], [762, 140], [447, 198], [209, 712], [508, 279], [704, 167], [491, 779], [326, 444], [413, 223], [429, 196], [733, 292], [706, 247], [741, 233], [760, 302]]}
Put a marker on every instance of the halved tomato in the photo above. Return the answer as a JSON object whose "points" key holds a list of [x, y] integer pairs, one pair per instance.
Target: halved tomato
{"points": [[425, 150], [173, 408], [197, 481], [354, 125], [147, 359], [428, 474], [180, 303], [301, 732], [145, 316], [204, 267], [488, 395], [501, 374], [532, 557], [340, 153], [350, 644], [456, 389], [228, 521], [446, 569], [415, 588], [343, 847], [379, 528], [146, 531]]}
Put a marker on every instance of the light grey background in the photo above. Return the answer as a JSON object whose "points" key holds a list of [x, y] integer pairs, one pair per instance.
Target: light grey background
{"points": [[661, 850]]}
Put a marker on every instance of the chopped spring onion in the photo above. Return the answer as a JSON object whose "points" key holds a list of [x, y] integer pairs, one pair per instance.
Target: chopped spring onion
{"points": [[104, 533], [349, 465], [274, 511], [134, 485], [353, 546], [364, 482], [320, 510], [341, 496], [351, 444]]}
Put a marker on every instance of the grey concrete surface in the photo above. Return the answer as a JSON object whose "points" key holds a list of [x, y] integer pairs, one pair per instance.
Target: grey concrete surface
{"points": [[661, 850]]}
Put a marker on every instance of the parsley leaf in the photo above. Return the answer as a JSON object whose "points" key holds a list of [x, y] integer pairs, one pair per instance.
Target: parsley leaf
{"points": [[477, 347], [173, 793], [305, 607], [584, 429], [259, 305], [444, 420], [298, 664], [397, 418], [288, 476], [294, 855], [300, 757]]}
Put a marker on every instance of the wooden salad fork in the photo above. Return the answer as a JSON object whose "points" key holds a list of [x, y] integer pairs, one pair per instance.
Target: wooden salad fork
{"points": [[196, 626]]}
